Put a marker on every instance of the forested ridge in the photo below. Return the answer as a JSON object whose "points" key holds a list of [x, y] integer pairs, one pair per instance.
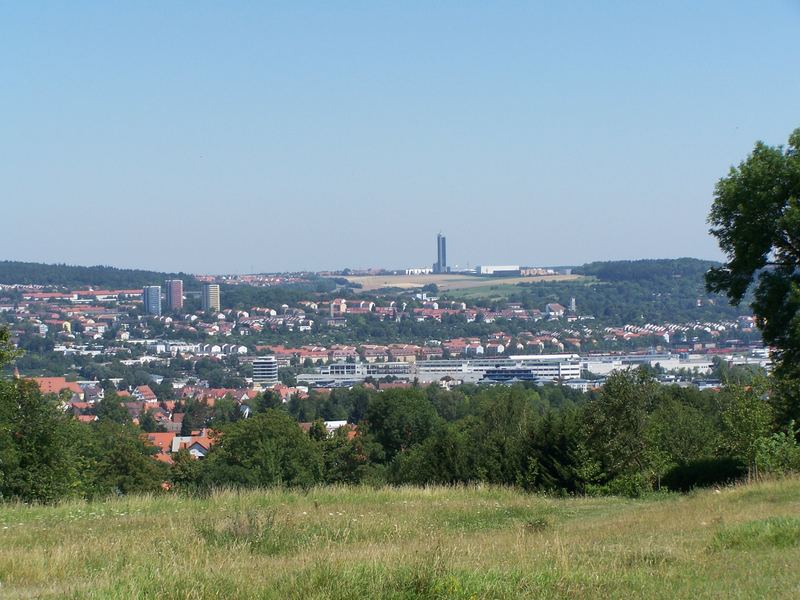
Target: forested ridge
{"points": [[635, 292], [650, 269], [31, 273]]}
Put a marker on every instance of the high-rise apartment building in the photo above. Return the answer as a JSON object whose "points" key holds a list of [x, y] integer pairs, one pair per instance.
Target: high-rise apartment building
{"points": [[440, 266], [265, 370], [174, 294], [210, 298], [151, 298]]}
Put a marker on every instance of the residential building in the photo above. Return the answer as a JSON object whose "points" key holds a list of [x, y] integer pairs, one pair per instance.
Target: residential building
{"points": [[54, 385], [210, 299], [151, 297], [143, 393], [175, 294]]}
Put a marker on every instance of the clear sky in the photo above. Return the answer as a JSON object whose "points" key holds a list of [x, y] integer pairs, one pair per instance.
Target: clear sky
{"points": [[267, 136]]}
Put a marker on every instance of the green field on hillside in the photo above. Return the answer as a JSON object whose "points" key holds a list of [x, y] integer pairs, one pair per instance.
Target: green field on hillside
{"points": [[449, 281], [473, 542]]}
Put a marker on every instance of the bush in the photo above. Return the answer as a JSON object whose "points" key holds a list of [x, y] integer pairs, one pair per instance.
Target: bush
{"points": [[704, 473], [634, 485], [778, 453]]}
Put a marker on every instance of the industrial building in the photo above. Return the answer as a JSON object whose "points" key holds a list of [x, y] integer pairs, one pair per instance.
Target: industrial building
{"points": [[497, 270]]}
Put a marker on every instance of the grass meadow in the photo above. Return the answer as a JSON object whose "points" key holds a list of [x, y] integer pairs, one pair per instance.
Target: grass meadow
{"points": [[450, 281], [436, 542]]}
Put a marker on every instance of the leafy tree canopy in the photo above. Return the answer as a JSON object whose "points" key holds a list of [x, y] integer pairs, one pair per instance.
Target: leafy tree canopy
{"points": [[756, 219]]}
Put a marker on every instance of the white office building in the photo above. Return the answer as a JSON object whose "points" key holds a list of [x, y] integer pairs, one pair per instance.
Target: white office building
{"points": [[545, 367], [265, 371]]}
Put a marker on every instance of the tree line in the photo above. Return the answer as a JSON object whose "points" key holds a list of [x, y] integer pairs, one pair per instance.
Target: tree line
{"points": [[73, 276]]}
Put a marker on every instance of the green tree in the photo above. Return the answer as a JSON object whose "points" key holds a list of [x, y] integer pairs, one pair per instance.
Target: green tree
{"points": [[318, 431], [267, 449], [147, 422], [266, 400], [353, 460], [555, 458], [682, 432], [111, 408], [616, 424], [225, 410], [185, 469], [196, 415], [678, 434], [36, 454], [443, 458], [359, 398], [756, 220], [399, 419], [500, 436], [7, 351], [779, 453], [746, 419], [122, 460]]}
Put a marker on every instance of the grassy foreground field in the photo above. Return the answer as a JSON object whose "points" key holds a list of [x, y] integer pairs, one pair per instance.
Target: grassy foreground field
{"points": [[741, 542]]}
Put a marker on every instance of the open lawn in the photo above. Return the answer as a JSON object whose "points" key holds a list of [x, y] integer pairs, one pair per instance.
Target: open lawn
{"points": [[439, 542], [446, 281]]}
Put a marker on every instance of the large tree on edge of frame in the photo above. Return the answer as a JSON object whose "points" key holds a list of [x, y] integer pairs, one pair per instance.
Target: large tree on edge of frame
{"points": [[756, 220]]}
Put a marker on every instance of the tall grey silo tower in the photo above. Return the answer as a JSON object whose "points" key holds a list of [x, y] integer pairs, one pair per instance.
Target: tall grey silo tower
{"points": [[441, 254]]}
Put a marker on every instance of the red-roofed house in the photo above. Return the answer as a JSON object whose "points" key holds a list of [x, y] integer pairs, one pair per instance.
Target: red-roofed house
{"points": [[54, 385], [145, 394]]}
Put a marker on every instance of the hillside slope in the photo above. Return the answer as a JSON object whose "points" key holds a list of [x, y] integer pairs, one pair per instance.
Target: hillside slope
{"points": [[407, 543]]}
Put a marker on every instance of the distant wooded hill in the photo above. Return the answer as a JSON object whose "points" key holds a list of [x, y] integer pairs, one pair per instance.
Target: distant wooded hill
{"points": [[31, 273], [648, 269], [638, 292]]}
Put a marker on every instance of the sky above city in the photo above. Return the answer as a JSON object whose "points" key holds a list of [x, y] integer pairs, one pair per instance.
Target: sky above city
{"points": [[215, 137]]}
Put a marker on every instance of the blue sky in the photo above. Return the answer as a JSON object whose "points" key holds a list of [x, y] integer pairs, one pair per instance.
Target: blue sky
{"points": [[266, 136]]}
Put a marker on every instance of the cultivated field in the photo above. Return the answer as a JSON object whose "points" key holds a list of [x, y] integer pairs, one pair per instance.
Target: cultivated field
{"points": [[447, 281], [408, 543]]}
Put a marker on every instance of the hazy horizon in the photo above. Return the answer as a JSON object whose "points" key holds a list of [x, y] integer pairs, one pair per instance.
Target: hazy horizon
{"points": [[343, 267], [233, 138]]}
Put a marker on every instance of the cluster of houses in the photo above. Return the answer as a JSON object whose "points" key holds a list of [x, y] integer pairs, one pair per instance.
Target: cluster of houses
{"points": [[92, 313], [106, 323], [84, 319], [80, 398]]}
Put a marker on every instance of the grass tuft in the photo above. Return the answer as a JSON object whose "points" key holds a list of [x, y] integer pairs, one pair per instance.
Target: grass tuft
{"points": [[774, 532], [252, 529]]}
